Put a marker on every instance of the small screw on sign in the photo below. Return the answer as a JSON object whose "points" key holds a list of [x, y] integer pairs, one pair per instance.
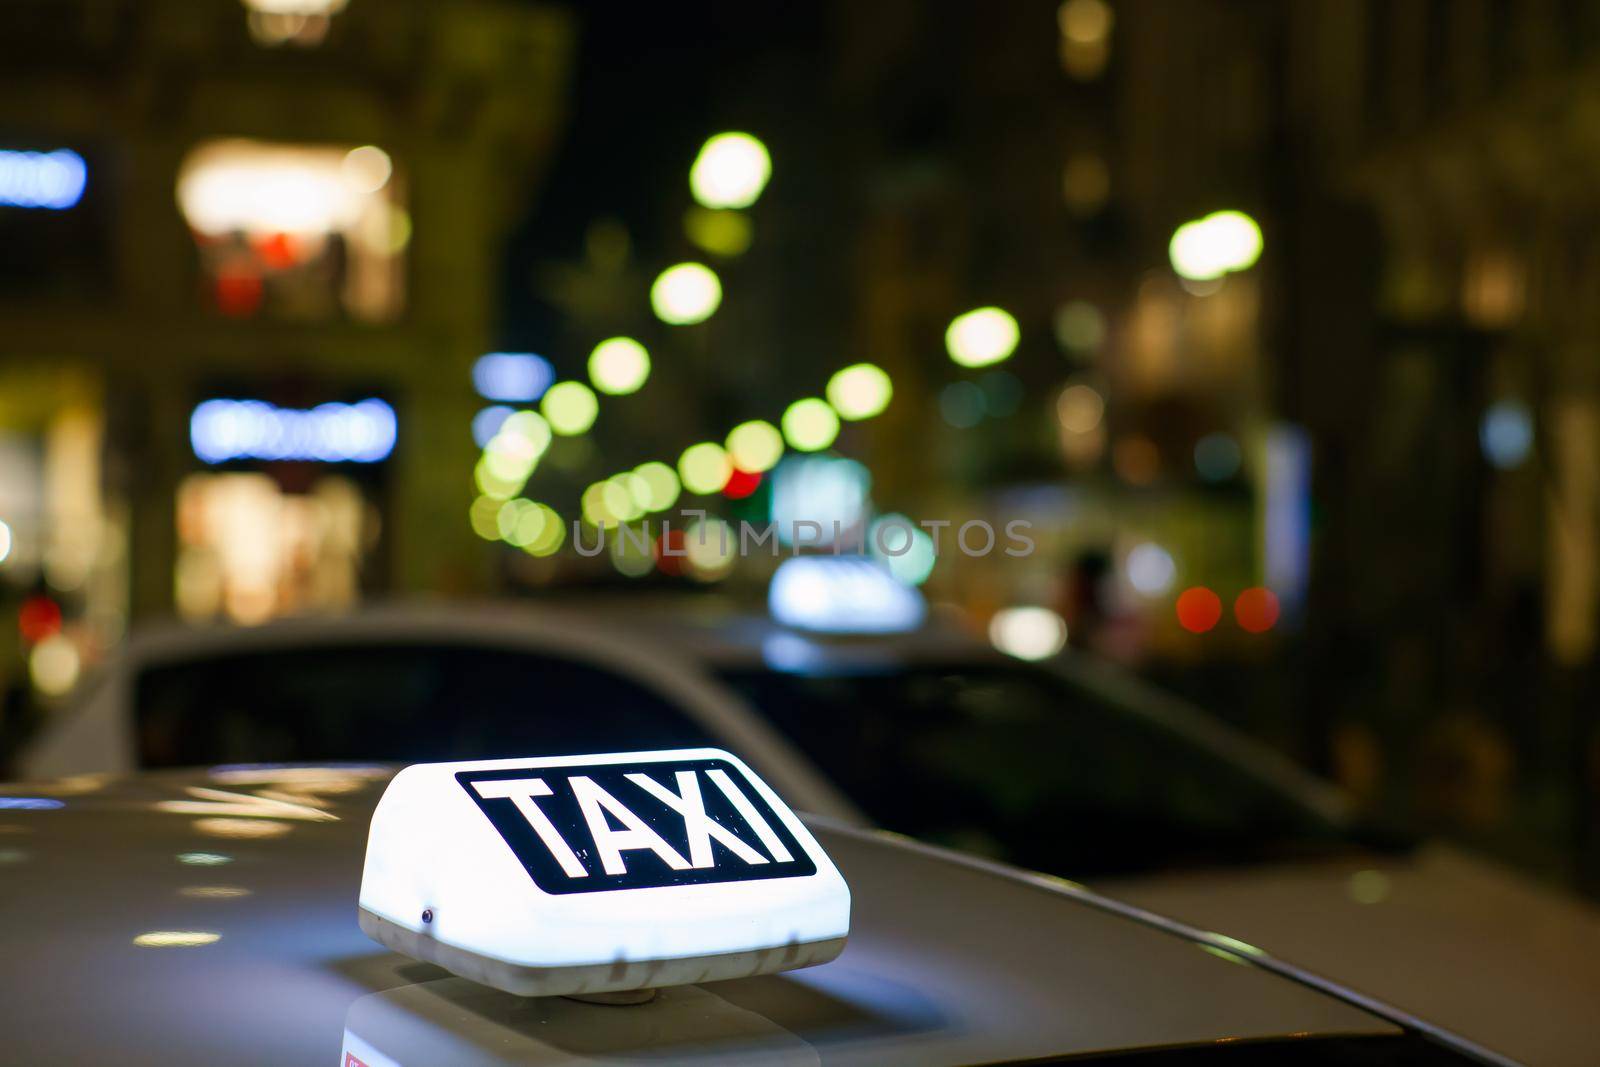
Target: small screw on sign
{"points": [[427, 915]]}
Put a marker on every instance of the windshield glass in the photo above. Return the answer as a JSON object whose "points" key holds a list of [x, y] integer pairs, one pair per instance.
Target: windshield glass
{"points": [[1017, 763], [394, 702]]}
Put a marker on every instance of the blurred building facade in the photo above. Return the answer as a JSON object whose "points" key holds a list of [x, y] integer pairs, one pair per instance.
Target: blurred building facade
{"points": [[298, 207]]}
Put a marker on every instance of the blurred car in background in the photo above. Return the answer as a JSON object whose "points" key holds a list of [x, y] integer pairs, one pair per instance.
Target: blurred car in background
{"points": [[1084, 773]]}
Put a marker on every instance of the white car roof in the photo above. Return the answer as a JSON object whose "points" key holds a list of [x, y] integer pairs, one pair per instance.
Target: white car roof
{"points": [[192, 918]]}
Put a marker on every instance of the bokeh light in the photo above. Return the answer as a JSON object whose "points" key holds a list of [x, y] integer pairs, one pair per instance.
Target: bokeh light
{"points": [[485, 517], [1506, 434], [710, 547], [619, 365], [5, 541], [1150, 569], [366, 169], [1217, 457], [1079, 327], [514, 376], [983, 336], [903, 546], [962, 404], [1031, 633], [1256, 610], [487, 423], [704, 468], [570, 408], [810, 425], [660, 485], [686, 294], [1080, 408], [722, 233], [731, 171], [859, 391], [1208, 248], [53, 665], [755, 446], [1199, 609]]}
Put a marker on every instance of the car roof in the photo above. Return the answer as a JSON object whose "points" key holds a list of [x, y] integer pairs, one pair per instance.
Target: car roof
{"points": [[210, 916]]}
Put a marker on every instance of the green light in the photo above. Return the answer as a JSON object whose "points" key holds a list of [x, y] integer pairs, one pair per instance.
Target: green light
{"points": [[704, 468], [859, 391], [660, 485], [722, 233], [483, 515], [618, 366], [755, 446], [810, 425], [570, 408]]}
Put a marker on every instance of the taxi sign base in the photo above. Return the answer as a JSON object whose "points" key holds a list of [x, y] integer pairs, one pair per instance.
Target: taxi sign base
{"points": [[583, 980]]}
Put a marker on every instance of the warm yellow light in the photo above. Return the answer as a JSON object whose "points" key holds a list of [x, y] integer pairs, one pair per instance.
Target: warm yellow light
{"points": [[660, 484], [704, 468], [619, 365], [366, 169], [1208, 248], [176, 939], [722, 233], [686, 294], [1079, 408], [53, 665], [755, 446], [730, 171], [860, 391], [981, 337], [1084, 22], [570, 408], [709, 546], [810, 425]]}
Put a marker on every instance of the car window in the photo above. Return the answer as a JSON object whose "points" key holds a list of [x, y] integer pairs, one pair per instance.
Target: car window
{"points": [[1017, 763], [394, 702]]}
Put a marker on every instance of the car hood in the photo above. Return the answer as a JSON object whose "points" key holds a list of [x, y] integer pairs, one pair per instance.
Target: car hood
{"points": [[1466, 944], [209, 918]]}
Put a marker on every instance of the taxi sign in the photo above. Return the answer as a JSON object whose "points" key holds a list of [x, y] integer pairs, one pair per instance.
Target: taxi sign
{"points": [[571, 875]]}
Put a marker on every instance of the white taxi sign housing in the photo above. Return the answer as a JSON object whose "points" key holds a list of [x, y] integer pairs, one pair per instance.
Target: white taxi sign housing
{"points": [[572, 875]]}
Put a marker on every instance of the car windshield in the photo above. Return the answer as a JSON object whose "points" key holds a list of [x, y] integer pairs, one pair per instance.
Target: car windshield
{"points": [[1019, 764], [403, 702]]}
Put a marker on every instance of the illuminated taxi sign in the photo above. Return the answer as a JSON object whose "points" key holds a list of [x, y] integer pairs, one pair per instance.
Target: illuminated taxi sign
{"points": [[594, 874]]}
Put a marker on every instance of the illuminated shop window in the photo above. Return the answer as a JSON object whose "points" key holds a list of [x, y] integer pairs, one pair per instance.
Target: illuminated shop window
{"points": [[248, 551], [297, 232]]}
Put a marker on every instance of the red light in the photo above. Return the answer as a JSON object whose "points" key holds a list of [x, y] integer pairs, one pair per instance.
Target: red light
{"points": [[238, 294], [741, 484], [278, 251], [38, 618], [1256, 609], [670, 564], [1199, 609]]}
